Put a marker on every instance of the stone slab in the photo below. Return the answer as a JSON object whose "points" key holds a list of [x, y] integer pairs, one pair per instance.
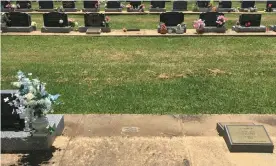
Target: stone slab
{"points": [[157, 10], [21, 141], [220, 126], [248, 138], [56, 29], [94, 31], [248, 10], [18, 29], [225, 9], [45, 10], [70, 9], [239, 28], [214, 29], [91, 9], [113, 10]]}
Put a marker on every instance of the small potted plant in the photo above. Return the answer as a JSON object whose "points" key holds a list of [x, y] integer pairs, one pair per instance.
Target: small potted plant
{"points": [[199, 26], [33, 102], [73, 24], [163, 28], [221, 20], [106, 25]]}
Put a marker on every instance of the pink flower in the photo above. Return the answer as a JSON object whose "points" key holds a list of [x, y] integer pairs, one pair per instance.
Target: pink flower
{"points": [[107, 19], [269, 5]]}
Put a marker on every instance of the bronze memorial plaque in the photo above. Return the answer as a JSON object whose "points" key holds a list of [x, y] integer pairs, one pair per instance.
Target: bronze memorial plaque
{"points": [[248, 138], [220, 126]]}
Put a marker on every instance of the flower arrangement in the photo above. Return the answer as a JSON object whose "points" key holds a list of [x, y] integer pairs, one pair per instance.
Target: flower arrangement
{"points": [[163, 28], [128, 6], [141, 8], [199, 26], [72, 23], [248, 24], [269, 8], [32, 99], [106, 21], [221, 20]]}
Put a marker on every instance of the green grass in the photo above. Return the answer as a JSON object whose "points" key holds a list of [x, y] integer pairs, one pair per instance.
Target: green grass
{"points": [[126, 75]]}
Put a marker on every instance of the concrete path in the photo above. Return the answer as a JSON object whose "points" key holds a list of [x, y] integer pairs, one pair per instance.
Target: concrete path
{"points": [[123, 140], [143, 33]]}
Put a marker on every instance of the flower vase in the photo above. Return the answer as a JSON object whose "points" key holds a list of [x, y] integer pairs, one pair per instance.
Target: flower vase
{"points": [[163, 31], [200, 31], [40, 125]]}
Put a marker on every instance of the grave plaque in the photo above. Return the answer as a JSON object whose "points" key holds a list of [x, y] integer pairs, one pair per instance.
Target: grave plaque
{"points": [[68, 4], [18, 19], [90, 4], [180, 5], [248, 4], [24, 4], [225, 4], [221, 125], [46, 4], [55, 19], [135, 4], [113, 4], [158, 4], [203, 4], [5, 3], [10, 120], [172, 18], [94, 19], [210, 18], [254, 19], [248, 138], [273, 3]]}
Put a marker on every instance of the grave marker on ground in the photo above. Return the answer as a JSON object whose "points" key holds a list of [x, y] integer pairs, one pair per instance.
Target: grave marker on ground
{"points": [[69, 6], [91, 6], [95, 22], [173, 21], [24, 6], [180, 5], [248, 6], [55, 22], [249, 23], [46, 6], [113, 6], [225, 6], [203, 6], [157, 6], [18, 22], [210, 20]]}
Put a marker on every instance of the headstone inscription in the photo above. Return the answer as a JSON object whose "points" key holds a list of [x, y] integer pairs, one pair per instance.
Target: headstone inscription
{"points": [[55, 22], [91, 6], [69, 6], [210, 18], [157, 6], [24, 5], [46, 6], [94, 19], [113, 6], [221, 126], [180, 5], [55, 19], [10, 120], [248, 138]]}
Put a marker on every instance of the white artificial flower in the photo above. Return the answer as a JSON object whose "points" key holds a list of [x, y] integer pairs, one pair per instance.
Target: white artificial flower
{"points": [[29, 74], [6, 99], [60, 21], [29, 96]]}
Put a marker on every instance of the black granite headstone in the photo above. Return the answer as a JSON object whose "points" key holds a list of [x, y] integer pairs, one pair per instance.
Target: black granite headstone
{"points": [[24, 4], [210, 18], [94, 19], [180, 5], [10, 120], [55, 19], [90, 4], [135, 4], [172, 18], [4, 4], [254, 19], [18, 19], [273, 3], [225, 4], [203, 4], [248, 4], [113, 4], [158, 4], [68, 4], [46, 4]]}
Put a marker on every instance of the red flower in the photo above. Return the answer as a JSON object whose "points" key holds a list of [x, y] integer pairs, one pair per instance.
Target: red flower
{"points": [[270, 5]]}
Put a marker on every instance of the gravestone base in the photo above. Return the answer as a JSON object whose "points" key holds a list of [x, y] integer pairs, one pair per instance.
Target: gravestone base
{"points": [[45, 10], [272, 28], [225, 10], [56, 29], [113, 9], [134, 10], [70, 9], [173, 28], [91, 9], [248, 10], [94, 31], [214, 29], [179, 10], [204, 9], [103, 29], [12, 142], [18, 29], [239, 28], [157, 9], [24, 10]]}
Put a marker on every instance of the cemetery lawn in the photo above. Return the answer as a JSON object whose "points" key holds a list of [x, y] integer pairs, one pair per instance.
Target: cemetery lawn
{"points": [[188, 75]]}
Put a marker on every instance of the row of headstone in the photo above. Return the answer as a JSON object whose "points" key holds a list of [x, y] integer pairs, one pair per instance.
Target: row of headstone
{"points": [[90, 6]]}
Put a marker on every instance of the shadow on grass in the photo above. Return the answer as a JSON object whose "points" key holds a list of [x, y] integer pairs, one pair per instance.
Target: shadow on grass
{"points": [[38, 157]]}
